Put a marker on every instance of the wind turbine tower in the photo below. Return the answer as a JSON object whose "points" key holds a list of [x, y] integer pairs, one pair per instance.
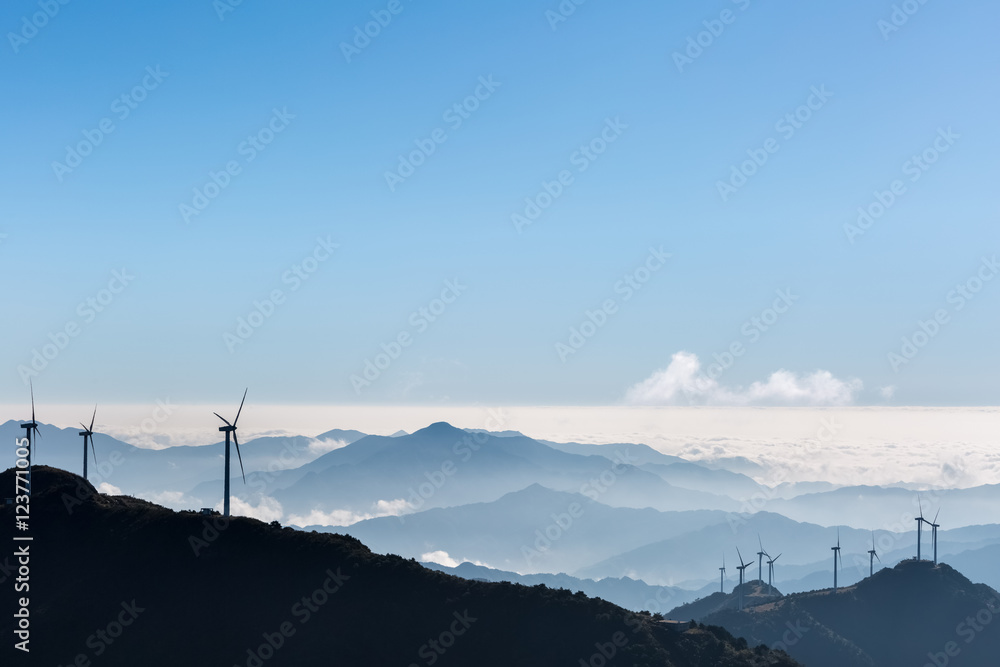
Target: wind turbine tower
{"points": [[920, 524], [836, 557], [88, 434], [760, 560], [934, 526], [741, 567], [770, 572], [722, 575], [31, 428], [230, 429], [872, 556]]}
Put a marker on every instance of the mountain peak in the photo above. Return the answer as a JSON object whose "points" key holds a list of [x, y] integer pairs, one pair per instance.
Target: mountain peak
{"points": [[536, 493], [440, 429]]}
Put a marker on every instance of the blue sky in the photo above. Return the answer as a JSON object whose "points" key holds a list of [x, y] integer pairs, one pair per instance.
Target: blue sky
{"points": [[345, 124]]}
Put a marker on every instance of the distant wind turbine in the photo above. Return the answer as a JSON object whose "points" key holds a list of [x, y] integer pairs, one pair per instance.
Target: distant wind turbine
{"points": [[31, 428], [230, 429], [88, 434], [872, 556], [836, 557], [770, 572], [760, 560], [920, 524], [934, 526], [722, 575], [741, 567]]}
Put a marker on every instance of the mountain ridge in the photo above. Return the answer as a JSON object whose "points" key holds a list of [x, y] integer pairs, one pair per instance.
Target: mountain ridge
{"points": [[302, 598]]}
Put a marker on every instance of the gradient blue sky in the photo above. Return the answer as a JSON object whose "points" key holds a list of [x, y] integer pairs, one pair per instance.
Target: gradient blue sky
{"points": [[655, 186]]}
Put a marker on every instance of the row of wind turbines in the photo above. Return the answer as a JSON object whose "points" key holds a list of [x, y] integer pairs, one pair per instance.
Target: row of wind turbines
{"points": [[837, 559], [744, 565], [32, 434]]}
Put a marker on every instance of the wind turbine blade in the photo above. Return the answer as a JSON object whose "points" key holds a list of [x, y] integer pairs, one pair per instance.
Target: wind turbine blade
{"points": [[32, 387], [921, 506], [84, 426], [237, 441], [741, 557], [222, 418], [92, 419], [877, 558], [241, 406], [776, 557], [936, 516]]}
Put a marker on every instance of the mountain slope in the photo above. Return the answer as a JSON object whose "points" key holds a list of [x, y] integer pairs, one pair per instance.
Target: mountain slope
{"points": [[879, 507], [194, 596], [696, 477], [531, 530], [683, 557], [913, 614], [754, 593], [624, 592]]}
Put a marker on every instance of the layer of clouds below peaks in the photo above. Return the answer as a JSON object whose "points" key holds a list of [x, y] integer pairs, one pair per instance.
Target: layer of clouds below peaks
{"points": [[684, 383]]}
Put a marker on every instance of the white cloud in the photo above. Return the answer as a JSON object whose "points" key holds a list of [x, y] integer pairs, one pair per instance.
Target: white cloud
{"points": [[818, 388], [682, 382], [392, 507], [321, 518], [171, 499], [442, 558], [109, 489], [381, 508], [319, 447], [888, 392], [268, 509], [439, 557]]}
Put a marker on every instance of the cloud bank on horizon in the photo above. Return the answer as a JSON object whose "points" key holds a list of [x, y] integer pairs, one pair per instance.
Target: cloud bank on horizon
{"points": [[683, 382]]}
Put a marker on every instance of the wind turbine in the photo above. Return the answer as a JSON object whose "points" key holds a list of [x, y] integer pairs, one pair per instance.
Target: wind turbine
{"points": [[230, 429], [770, 572], [31, 427], [760, 560], [934, 526], [741, 567], [920, 524], [722, 575], [88, 434], [836, 556], [872, 556]]}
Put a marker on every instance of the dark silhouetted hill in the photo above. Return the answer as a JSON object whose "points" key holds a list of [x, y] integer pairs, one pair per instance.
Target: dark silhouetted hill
{"points": [[754, 593], [121, 581], [911, 615]]}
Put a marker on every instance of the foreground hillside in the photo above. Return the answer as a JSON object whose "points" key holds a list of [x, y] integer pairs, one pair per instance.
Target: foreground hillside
{"points": [[913, 614], [120, 581]]}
